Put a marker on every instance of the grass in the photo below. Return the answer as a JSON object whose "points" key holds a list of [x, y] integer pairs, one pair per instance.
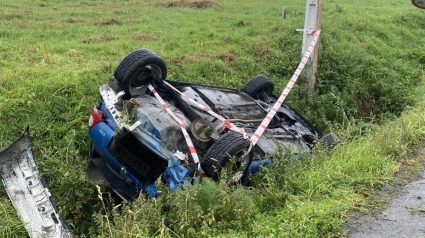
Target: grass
{"points": [[55, 54], [308, 199]]}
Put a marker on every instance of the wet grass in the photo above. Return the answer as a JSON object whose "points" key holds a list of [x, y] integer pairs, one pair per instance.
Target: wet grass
{"points": [[55, 54]]}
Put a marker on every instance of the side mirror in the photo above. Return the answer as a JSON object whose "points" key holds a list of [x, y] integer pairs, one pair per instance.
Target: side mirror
{"points": [[419, 3]]}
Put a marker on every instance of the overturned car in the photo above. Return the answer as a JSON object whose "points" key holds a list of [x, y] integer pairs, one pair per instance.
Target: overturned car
{"points": [[146, 127]]}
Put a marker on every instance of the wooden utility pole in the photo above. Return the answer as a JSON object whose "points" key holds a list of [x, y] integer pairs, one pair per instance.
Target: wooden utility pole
{"points": [[313, 17]]}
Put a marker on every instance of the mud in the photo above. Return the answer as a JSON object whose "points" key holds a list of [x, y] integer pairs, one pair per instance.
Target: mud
{"points": [[196, 4]]}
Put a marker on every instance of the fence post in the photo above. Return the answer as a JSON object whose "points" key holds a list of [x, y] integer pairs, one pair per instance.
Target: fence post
{"points": [[313, 17]]}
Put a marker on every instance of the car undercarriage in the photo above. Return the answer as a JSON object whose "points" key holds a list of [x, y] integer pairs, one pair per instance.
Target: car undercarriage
{"points": [[148, 127]]}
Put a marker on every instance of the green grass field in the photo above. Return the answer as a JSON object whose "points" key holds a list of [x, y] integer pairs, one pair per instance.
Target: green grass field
{"points": [[54, 55]]}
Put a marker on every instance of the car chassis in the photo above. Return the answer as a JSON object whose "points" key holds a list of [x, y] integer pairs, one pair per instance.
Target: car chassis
{"points": [[134, 141]]}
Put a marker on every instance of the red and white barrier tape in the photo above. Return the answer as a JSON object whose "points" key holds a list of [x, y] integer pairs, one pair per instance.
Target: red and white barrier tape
{"points": [[308, 31], [256, 136], [260, 130], [182, 126], [229, 125]]}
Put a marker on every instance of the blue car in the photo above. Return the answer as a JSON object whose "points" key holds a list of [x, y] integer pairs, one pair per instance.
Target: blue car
{"points": [[147, 128]]}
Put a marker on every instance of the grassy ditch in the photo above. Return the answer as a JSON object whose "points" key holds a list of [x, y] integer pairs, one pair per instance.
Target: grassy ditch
{"points": [[55, 54], [311, 198]]}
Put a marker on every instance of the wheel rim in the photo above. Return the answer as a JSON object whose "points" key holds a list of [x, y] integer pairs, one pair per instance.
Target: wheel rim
{"points": [[236, 161], [144, 76], [263, 93]]}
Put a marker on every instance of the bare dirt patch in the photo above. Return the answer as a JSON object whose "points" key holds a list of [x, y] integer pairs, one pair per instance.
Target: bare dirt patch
{"points": [[229, 56], [143, 37], [189, 57], [241, 23], [196, 4], [107, 22], [99, 39], [75, 20]]}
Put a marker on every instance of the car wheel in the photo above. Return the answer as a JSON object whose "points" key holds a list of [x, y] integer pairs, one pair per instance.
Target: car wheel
{"points": [[230, 145], [329, 140], [138, 69], [260, 87]]}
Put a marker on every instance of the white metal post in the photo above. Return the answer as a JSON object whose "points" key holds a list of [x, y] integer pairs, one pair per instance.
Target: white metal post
{"points": [[309, 23], [312, 22]]}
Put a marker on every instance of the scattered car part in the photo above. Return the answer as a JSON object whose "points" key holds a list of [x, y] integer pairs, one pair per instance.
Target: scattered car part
{"points": [[202, 130], [28, 191]]}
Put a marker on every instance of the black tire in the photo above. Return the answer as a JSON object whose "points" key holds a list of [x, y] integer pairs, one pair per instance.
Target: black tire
{"points": [[140, 68], [227, 146], [260, 87], [329, 140]]}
